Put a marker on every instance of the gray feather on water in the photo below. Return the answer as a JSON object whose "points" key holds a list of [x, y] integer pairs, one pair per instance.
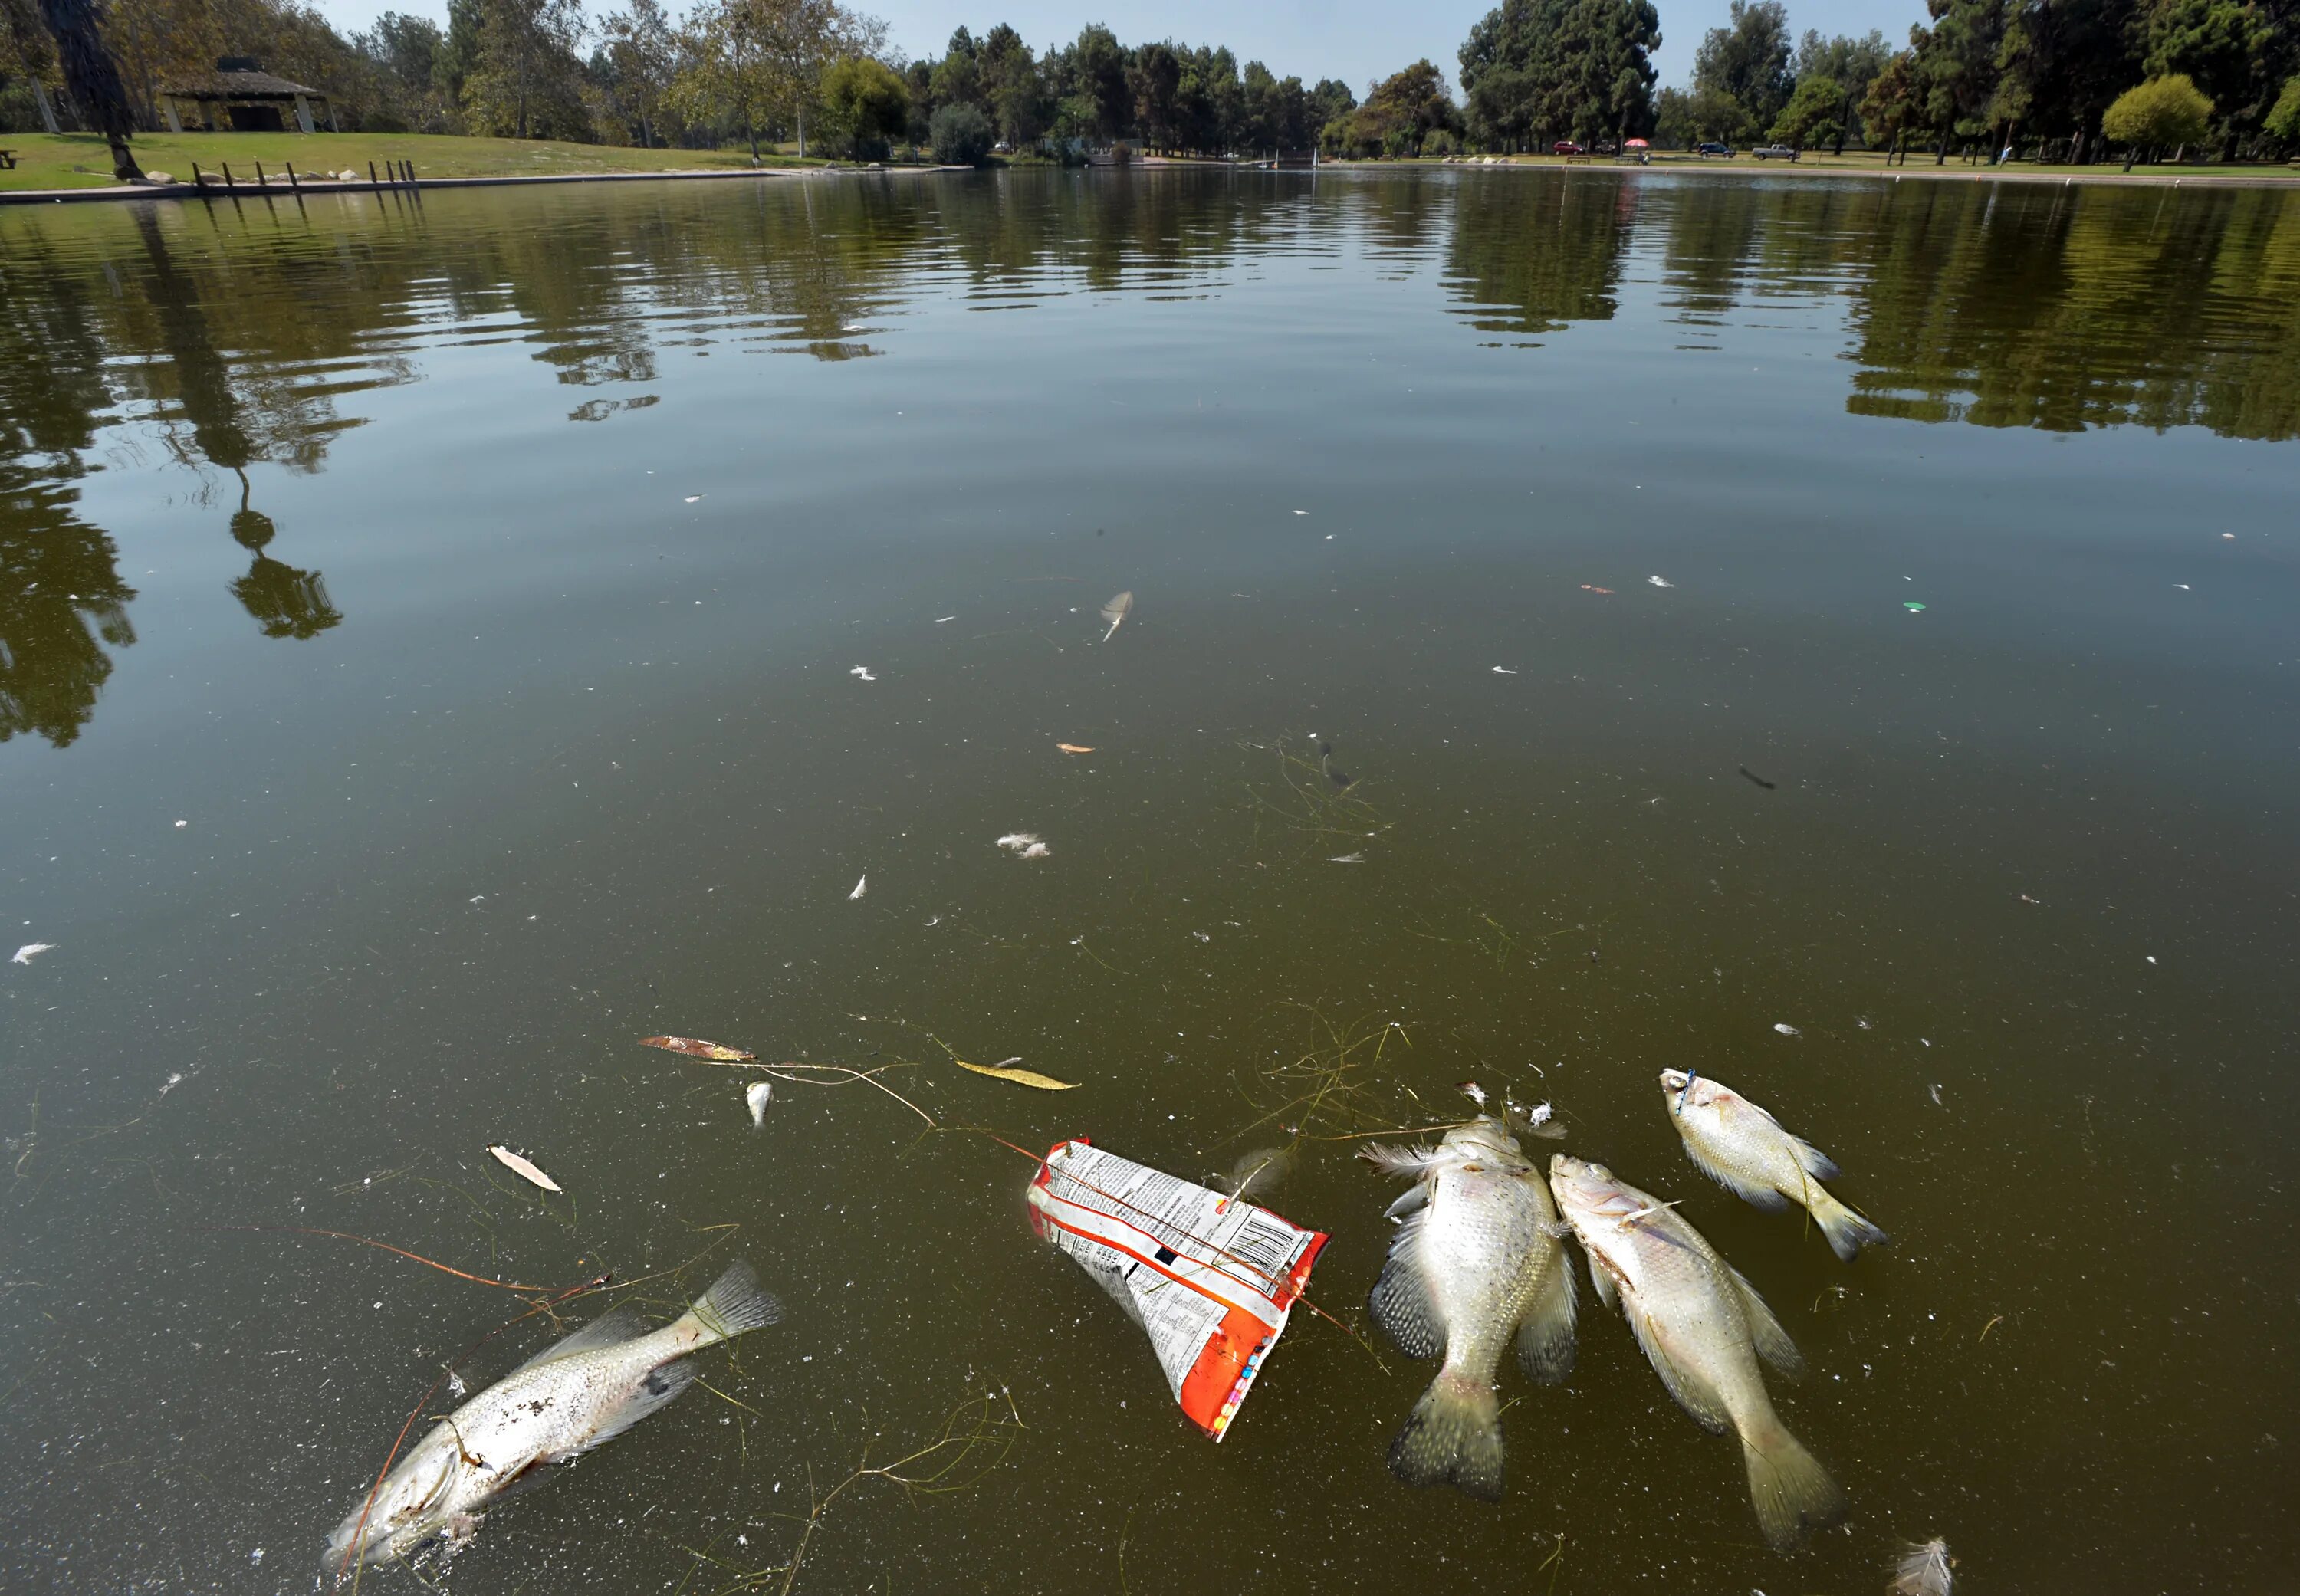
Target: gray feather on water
{"points": [[1117, 611]]}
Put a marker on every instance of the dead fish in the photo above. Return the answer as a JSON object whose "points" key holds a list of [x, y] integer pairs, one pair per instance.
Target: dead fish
{"points": [[573, 1396], [757, 1096], [1703, 1327], [1744, 1149], [1922, 1570], [1475, 1263], [526, 1171]]}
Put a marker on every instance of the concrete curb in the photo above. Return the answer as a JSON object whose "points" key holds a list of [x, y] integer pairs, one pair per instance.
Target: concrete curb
{"points": [[280, 189]]}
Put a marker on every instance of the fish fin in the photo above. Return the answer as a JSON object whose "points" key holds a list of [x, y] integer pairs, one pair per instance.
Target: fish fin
{"points": [[663, 1384], [1602, 1280], [1401, 1300], [735, 1303], [1791, 1489], [1816, 1163], [1847, 1232], [1453, 1434], [1757, 1196], [1545, 1336], [1415, 1198], [1693, 1394], [1772, 1343], [1402, 1161], [610, 1329]]}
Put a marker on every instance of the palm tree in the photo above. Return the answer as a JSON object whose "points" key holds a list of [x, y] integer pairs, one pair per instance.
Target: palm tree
{"points": [[93, 79]]}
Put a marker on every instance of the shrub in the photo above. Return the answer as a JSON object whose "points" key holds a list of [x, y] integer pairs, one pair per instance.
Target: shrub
{"points": [[865, 104], [2284, 122], [961, 135], [2161, 113]]}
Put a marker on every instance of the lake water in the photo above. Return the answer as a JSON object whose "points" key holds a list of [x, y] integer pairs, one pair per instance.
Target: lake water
{"points": [[427, 638]]}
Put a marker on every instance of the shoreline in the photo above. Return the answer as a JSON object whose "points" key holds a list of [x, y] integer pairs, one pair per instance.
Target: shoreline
{"points": [[2262, 177], [280, 189]]}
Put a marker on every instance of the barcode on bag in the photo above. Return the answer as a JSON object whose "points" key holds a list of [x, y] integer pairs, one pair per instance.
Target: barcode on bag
{"points": [[1267, 1246]]}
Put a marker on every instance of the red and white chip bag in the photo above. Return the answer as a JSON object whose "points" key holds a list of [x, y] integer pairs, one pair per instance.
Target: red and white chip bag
{"points": [[1209, 1278]]}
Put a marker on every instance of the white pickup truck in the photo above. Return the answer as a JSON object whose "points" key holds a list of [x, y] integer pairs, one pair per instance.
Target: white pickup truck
{"points": [[1774, 151]]}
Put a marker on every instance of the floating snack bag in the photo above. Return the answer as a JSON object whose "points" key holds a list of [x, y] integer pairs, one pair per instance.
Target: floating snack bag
{"points": [[1211, 1278]]}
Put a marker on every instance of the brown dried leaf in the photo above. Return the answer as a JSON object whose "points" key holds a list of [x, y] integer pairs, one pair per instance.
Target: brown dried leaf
{"points": [[696, 1048], [1020, 1078], [1073, 748]]}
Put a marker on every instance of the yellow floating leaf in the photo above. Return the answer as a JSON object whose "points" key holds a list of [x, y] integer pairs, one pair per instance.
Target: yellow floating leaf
{"points": [[695, 1047], [520, 1166], [1020, 1078]]}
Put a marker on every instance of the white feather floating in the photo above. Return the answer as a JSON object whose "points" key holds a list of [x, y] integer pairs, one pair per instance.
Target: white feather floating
{"points": [[860, 887], [30, 951], [1116, 610], [757, 1097], [526, 1171], [1923, 1570]]}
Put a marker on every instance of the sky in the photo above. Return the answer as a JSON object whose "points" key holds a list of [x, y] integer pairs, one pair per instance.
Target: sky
{"points": [[1355, 40]]}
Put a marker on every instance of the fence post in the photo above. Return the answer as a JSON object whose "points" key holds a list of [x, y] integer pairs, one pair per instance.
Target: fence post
{"points": [[371, 176], [260, 180], [228, 183], [292, 183]]}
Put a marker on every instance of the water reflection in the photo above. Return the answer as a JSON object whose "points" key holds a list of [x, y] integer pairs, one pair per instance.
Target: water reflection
{"points": [[241, 343]]}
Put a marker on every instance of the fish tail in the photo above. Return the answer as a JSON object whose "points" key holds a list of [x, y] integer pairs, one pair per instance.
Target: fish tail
{"points": [[1793, 1492], [735, 1303], [1847, 1232], [1453, 1434]]}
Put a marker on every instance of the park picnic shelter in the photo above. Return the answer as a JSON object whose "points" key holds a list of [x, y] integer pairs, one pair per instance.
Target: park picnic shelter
{"points": [[239, 96]]}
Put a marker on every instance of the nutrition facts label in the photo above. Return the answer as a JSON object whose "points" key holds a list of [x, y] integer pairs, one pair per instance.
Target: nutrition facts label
{"points": [[1210, 1279]]}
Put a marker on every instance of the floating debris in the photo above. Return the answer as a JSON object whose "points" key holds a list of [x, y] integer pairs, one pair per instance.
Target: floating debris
{"points": [[1074, 747], [181, 824], [1923, 1570], [1788, 1030], [1661, 582], [1587, 588], [757, 1097], [1228, 1273], [1347, 859], [1504, 670], [30, 951], [1761, 781], [861, 886], [695, 1047], [695, 498], [862, 673], [1025, 844], [1912, 607], [1117, 611], [1020, 1078], [1036, 851], [526, 1171]]}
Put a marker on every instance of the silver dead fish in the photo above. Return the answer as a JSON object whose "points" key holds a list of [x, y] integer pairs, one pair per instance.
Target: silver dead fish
{"points": [[1744, 1150], [1476, 1260], [1703, 1328], [574, 1395], [1922, 1570]]}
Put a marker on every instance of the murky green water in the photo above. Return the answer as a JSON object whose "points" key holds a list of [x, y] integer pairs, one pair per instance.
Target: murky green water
{"points": [[425, 637]]}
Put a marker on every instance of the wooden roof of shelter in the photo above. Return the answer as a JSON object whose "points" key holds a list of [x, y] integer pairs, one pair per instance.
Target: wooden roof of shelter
{"points": [[239, 84]]}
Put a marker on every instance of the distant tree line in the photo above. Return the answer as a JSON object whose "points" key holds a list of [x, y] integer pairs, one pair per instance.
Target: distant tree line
{"points": [[2077, 80]]}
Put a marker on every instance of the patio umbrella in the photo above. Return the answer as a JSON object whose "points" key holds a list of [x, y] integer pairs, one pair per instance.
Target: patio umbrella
{"points": [[1636, 144]]}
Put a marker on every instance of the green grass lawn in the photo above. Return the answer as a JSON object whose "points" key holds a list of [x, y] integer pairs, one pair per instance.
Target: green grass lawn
{"points": [[1873, 162], [81, 161]]}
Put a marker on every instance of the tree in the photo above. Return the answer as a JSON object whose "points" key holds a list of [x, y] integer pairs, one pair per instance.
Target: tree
{"points": [[1747, 63], [1533, 71], [2283, 123], [1398, 111], [527, 84], [1156, 77], [1894, 104], [1098, 79], [1851, 64], [961, 135], [1956, 65], [27, 50], [644, 54], [1812, 116], [865, 104], [458, 55], [2162, 112], [1012, 92], [2219, 46], [92, 79]]}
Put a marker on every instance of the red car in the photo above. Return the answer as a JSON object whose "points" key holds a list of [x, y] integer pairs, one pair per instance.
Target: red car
{"points": [[1566, 147]]}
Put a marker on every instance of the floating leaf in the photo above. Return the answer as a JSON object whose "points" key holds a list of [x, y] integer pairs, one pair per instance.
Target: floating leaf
{"points": [[1020, 1078], [1073, 748], [520, 1166], [695, 1047]]}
